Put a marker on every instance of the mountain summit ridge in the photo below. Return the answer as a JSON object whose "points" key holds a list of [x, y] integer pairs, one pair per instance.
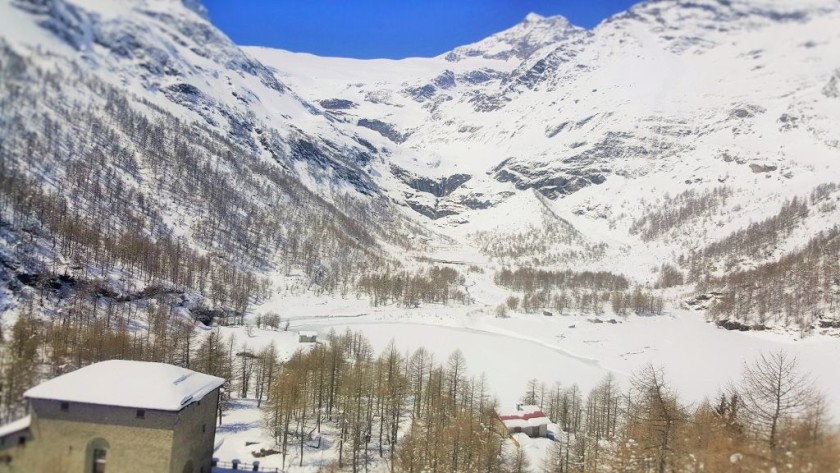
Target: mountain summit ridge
{"points": [[519, 41]]}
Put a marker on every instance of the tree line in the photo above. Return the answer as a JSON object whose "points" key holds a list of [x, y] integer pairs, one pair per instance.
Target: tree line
{"points": [[587, 292], [408, 289], [678, 211], [757, 241], [529, 280], [552, 242], [752, 284], [801, 289], [416, 414], [757, 289]]}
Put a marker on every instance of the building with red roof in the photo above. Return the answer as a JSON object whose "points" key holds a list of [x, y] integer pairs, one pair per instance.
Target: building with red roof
{"points": [[529, 420]]}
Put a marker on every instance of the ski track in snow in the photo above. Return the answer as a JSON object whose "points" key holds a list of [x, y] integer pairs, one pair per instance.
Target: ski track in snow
{"points": [[491, 332]]}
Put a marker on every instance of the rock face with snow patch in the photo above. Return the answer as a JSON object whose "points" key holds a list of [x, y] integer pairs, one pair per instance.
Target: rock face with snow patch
{"points": [[385, 129], [439, 188]]}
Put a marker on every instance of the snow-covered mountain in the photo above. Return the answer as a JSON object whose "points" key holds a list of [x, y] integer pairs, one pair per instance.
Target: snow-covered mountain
{"points": [[666, 97], [664, 86], [544, 145]]}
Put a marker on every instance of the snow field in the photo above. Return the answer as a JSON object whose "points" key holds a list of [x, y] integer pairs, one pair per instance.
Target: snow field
{"points": [[699, 359]]}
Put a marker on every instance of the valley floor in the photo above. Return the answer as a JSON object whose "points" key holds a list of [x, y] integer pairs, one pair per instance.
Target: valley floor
{"points": [[699, 359]]}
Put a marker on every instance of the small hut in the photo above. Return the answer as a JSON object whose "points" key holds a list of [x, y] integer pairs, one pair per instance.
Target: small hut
{"points": [[308, 336]]}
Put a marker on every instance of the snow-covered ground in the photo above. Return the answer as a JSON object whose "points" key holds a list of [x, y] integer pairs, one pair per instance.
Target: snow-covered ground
{"points": [[699, 358]]}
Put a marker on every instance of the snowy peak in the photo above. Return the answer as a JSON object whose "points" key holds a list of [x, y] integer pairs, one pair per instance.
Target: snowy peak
{"points": [[520, 41], [561, 110], [533, 17], [723, 15], [196, 6]]}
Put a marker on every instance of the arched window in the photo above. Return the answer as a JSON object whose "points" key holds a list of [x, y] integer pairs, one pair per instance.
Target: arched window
{"points": [[97, 456]]}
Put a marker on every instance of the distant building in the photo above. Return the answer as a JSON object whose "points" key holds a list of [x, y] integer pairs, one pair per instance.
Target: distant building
{"points": [[308, 336], [116, 417], [529, 420]]}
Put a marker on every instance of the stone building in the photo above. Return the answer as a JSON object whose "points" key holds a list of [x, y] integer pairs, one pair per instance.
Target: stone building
{"points": [[116, 417]]}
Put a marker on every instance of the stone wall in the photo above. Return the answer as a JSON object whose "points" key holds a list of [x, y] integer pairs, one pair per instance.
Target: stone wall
{"points": [[194, 435], [60, 446], [62, 440]]}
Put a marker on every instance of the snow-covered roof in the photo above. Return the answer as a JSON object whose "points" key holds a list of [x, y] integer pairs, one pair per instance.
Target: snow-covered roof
{"points": [[523, 416], [16, 426], [522, 423], [136, 384], [308, 333], [520, 411]]}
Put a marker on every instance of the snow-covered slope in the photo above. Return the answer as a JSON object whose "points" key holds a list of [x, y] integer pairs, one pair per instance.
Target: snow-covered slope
{"points": [[146, 126], [167, 52], [666, 97]]}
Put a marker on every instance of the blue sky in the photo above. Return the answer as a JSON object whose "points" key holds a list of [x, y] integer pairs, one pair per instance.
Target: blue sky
{"points": [[388, 28]]}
